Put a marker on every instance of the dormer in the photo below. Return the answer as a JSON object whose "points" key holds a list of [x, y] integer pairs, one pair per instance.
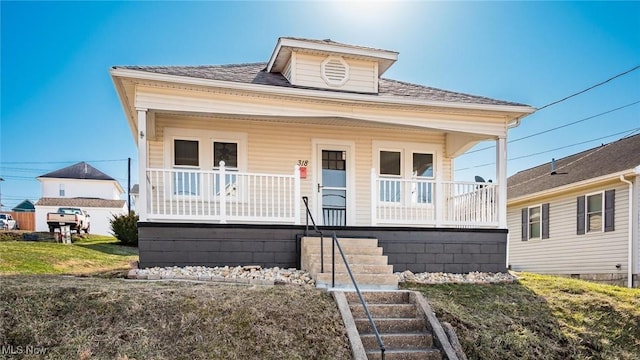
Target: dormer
{"points": [[326, 64]]}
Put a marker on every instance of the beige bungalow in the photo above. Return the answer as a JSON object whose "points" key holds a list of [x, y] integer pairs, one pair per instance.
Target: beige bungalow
{"points": [[228, 152], [578, 216]]}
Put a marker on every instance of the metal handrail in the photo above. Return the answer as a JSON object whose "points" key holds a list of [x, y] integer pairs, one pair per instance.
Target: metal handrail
{"points": [[355, 285], [334, 243], [305, 199]]}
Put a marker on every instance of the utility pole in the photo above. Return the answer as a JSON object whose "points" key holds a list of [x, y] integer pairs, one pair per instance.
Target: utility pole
{"points": [[129, 185], [1, 180]]}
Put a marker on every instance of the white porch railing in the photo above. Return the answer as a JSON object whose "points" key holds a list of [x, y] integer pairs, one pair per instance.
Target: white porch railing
{"points": [[223, 195], [419, 202], [227, 195]]}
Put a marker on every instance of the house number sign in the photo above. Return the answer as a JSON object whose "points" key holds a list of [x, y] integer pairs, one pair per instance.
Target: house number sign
{"points": [[303, 168]]}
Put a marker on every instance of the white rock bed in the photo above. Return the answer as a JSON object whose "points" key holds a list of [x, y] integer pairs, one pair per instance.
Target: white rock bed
{"points": [[239, 274], [448, 278], [269, 276]]}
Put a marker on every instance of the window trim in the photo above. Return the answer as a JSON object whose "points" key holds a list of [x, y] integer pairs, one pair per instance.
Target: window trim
{"points": [[407, 149], [529, 237], [586, 212], [205, 139], [608, 212], [545, 223]]}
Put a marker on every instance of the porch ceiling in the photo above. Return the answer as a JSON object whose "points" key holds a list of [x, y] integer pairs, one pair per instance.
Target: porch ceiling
{"points": [[457, 141]]}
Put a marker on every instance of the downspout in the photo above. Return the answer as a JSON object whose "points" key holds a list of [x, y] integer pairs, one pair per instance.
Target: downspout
{"points": [[513, 124], [630, 227]]}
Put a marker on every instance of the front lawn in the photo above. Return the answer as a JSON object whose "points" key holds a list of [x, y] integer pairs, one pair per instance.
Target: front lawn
{"points": [[87, 255], [541, 317]]}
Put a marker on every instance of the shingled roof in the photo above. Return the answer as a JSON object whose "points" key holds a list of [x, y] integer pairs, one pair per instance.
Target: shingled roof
{"points": [[255, 73], [610, 158], [81, 202], [81, 170]]}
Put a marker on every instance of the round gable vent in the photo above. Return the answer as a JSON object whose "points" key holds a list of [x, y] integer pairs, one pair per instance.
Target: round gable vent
{"points": [[335, 71]]}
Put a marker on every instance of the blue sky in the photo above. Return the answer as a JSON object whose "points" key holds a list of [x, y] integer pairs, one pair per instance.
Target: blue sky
{"points": [[59, 106]]}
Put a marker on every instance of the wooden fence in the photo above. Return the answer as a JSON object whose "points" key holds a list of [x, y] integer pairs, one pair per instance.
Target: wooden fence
{"points": [[26, 220]]}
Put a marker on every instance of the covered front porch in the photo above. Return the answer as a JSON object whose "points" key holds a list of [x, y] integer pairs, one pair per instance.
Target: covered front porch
{"points": [[230, 196]]}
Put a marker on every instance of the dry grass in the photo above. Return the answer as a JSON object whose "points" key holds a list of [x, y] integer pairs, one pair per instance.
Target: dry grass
{"points": [[88, 318], [87, 255], [541, 317]]}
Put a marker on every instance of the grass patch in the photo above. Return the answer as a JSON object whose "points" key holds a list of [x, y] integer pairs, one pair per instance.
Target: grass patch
{"points": [[87, 255], [541, 317], [117, 319]]}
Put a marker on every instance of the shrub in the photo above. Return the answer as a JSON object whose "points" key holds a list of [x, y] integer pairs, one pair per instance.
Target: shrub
{"points": [[125, 228]]}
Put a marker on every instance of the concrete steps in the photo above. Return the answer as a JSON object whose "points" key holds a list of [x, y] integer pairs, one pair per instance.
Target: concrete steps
{"points": [[366, 261], [401, 325]]}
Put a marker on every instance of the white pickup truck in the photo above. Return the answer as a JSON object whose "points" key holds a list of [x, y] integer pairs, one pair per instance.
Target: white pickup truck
{"points": [[8, 223], [76, 218]]}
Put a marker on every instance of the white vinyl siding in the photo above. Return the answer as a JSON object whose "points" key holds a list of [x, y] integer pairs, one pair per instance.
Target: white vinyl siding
{"points": [[308, 72], [274, 147], [565, 252]]}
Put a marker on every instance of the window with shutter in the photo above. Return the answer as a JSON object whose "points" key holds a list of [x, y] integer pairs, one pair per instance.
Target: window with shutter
{"points": [[525, 224], [596, 212], [580, 230], [545, 221], [609, 210]]}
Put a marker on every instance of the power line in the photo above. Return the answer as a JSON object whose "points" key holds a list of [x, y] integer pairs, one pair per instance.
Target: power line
{"points": [[560, 148], [557, 127], [62, 162], [589, 88]]}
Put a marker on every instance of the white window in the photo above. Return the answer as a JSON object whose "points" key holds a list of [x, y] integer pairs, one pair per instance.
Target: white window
{"points": [[407, 172], [594, 212], [422, 191], [226, 151], [61, 190], [535, 222], [390, 169], [186, 157], [193, 153]]}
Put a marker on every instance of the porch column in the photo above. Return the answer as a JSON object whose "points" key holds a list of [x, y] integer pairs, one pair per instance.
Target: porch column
{"points": [[141, 205], [501, 176]]}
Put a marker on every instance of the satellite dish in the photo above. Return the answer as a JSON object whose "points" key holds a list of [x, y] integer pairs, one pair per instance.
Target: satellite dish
{"points": [[479, 179]]}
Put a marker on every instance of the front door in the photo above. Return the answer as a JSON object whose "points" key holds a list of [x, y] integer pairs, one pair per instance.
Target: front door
{"points": [[332, 185]]}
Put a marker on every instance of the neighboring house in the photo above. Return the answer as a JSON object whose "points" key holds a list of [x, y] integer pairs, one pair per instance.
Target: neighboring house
{"points": [[226, 153], [25, 206], [81, 185], [578, 215], [24, 214]]}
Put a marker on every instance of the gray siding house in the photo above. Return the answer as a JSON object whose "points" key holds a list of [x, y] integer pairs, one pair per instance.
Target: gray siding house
{"points": [[578, 216]]}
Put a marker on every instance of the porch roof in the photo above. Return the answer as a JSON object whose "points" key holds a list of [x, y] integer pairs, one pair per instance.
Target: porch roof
{"points": [[255, 73]]}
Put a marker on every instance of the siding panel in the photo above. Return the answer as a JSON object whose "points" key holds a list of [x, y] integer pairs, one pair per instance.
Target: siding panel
{"points": [[565, 252], [275, 147], [362, 75]]}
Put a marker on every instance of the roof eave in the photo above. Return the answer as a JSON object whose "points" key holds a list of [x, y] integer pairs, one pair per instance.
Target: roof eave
{"points": [[521, 110], [385, 58], [573, 186]]}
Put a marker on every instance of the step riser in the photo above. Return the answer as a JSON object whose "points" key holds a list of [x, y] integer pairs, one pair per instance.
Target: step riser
{"points": [[355, 269], [408, 355], [361, 279], [348, 250], [390, 326], [315, 241], [398, 341], [351, 259], [391, 297], [384, 311]]}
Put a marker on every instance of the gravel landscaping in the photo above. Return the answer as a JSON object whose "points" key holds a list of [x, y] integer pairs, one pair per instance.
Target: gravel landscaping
{"points": [[269, 276]]}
